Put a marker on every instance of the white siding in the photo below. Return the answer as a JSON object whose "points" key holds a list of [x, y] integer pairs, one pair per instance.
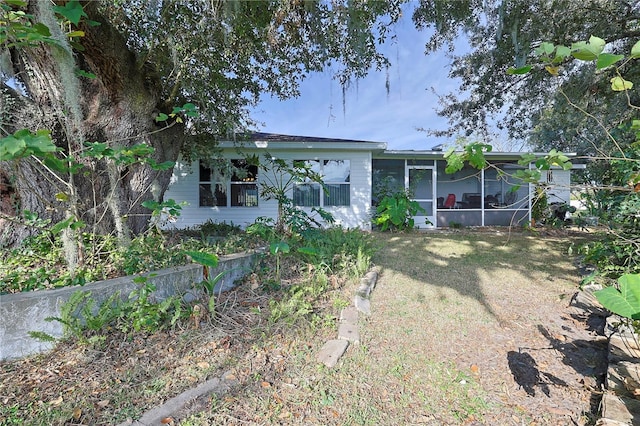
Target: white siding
{"points": [[559, 185], [184, 188]]}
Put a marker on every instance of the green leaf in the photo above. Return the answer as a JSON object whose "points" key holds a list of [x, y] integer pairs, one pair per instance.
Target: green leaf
{"points": [[308, 251], [78, 224], [607, 59], [165, 165], [61, 196], [42, 29], [150, 204], [279, 247], [619, 84], [635, 50], [597, 43], [455, 161], [10, 147], [206, 259], [140, 279], [545, 48], [58, 227], [588, 51], [162, 117], [72, 11], [97, 150], [521, 70], [561, 53], [83, 73], [55, 163], [624, 302], [526, 158]]}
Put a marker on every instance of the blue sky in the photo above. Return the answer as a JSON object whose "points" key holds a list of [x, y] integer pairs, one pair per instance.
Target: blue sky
{"points": [[370, 113]]}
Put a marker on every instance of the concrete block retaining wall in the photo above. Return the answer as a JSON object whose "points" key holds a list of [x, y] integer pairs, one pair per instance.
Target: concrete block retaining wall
{"points": [[24, 312]]}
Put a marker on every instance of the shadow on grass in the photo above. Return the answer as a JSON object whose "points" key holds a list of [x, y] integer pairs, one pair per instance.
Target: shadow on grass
{"points": [[527, 375], [460, 260]]}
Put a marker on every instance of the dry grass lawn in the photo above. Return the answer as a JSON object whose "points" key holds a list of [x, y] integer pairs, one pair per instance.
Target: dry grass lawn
{"points": [[467, 328]]}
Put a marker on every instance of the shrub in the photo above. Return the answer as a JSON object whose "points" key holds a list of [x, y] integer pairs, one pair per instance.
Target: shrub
{"points": [[395, 209]]}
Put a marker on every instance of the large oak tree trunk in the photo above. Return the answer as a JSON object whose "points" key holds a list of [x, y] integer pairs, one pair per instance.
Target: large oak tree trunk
{"points": [[118, 106]]}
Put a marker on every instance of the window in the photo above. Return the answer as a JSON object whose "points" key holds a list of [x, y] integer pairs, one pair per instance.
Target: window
{"points": [[336, 177], [240, 190]]}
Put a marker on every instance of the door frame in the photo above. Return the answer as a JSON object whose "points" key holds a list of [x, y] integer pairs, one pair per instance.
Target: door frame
{"points": [[420, 220]]}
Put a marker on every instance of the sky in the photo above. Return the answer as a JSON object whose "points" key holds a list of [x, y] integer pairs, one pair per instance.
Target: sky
{"points": [[370, 113]]}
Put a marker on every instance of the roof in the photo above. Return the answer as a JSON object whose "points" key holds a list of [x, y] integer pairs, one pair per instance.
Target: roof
{"points": [[278, 141], [276, 137], [438, 154]]}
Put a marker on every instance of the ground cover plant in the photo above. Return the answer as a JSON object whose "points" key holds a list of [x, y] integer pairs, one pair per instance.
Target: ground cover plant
{"points": [[451, 320]]}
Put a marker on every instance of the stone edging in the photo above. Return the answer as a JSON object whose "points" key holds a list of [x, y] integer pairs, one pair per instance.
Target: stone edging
{"points": [[163, 414], [620, 405], [348, 332]]}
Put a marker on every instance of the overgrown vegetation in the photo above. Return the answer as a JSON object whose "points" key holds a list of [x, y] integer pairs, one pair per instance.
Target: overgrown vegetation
{"points": [[297, 288], [434, 294], [618, 250], [39, 262]]}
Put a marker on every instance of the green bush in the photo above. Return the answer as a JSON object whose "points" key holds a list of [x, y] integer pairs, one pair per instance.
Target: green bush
{"points": [[617, 251], [344, 251], [220, 229], [86, 320], [395, 209]]}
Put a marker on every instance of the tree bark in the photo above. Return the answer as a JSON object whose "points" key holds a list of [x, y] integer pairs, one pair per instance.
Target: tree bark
{"points": [[118, 107]]}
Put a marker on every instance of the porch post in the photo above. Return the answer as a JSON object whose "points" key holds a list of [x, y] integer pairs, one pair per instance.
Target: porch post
{"points": [[482, 197]]}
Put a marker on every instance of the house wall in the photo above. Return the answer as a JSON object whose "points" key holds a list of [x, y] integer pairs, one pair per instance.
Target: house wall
{"points": [[184, 187], [559, 185]]}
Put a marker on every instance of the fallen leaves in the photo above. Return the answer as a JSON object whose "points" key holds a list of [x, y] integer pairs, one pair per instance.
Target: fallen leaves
{"points": [[103, 404], [57, 402], [77, 413]]}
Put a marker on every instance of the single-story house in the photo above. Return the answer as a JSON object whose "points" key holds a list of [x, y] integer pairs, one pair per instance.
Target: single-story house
{"points": [[352, 171]]}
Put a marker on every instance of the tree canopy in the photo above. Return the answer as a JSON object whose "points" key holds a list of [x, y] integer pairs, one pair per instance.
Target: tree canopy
{"points": [[224, 55], [502, 34]]}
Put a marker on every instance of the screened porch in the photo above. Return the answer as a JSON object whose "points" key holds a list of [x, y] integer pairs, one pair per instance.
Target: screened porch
{"points": [[469, 197]]}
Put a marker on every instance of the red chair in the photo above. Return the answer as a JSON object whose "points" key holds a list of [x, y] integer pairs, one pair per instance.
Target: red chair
{"points": [[450, 202]]}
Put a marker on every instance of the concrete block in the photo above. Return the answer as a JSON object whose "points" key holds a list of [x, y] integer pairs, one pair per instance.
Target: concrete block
{"points": [[362, 304], [623, 348], [349, 315], [620, 409], [349, 332], [332, 351], [609, 422], [367, 284], [155, 416], [623, 377]]}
